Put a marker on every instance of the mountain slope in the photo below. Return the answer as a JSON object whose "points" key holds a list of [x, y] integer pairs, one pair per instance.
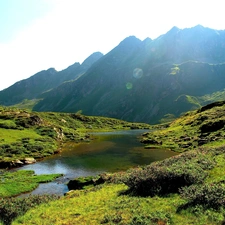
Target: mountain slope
{"points": [[145, 80], [43, 81]]}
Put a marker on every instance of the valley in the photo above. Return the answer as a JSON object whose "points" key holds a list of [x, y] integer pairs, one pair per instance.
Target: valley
{"points": [[169, 190], [75, 125]]}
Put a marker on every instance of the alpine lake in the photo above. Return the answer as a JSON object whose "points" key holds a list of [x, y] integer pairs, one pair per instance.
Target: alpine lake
{"points": [[107, 152]]}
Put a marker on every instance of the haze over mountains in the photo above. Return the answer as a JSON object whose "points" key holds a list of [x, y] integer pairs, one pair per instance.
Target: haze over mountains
{"points": [[142, 81]]}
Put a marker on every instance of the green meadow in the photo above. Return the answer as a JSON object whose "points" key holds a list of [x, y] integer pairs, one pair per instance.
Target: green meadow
{"points": [[188, 188]]}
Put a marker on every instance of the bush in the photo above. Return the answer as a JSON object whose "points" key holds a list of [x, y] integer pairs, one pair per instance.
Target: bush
{"points": [[169, 175], [208, 195], [46, 131], [34, 147], [10, 208]]}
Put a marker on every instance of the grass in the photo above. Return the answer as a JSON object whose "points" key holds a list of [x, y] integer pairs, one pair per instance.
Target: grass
{"points": [[200, 138], [217, 174], [105, 206], [30, 134], [113, 203], [186, 132], [15, 183], [109, 206], [198, 199], [27, 104], [10, 136]]}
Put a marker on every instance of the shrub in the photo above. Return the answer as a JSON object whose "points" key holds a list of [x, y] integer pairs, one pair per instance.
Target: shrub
{"points": [[169, 175], [46, 131], [10, 208], [34, 147], [209, 195]]}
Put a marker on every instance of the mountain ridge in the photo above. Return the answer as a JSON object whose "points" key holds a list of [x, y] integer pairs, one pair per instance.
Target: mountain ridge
{"points": [[44, 80], [143, 81]]}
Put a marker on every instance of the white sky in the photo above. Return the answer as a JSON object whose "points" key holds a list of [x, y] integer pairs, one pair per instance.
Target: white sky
{"points": [[38, 34]]}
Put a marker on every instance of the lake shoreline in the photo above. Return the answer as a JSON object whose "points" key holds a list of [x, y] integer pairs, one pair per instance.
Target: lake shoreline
{"points": [[108, 152]]}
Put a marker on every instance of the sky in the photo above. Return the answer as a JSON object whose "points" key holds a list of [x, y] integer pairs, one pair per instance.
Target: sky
{"points": [[39, 34]]}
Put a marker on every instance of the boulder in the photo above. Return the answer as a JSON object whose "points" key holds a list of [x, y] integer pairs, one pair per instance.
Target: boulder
{"points": [[17, 162], [29, 160]]}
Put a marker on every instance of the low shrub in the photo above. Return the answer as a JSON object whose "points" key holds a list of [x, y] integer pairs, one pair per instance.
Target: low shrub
{"points": [[208, 195], [34, 147], [10, 208], [46, 131], [169, 175]]}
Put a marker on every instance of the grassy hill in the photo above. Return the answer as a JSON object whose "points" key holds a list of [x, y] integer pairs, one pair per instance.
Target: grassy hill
{"points": [[185, 189], [203, 127], [25, 134]]}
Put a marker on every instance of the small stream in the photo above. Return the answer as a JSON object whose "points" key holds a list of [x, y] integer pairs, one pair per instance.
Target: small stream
{"points": [[108, 152]]}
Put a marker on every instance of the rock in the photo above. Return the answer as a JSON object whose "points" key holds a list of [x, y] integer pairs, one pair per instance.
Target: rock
{"points": [[29, 160], [17, 162]]}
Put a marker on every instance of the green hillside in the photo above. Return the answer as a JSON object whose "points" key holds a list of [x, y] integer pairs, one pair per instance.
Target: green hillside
{"points": [[185, 189], [204, 127], [139, 81], [43, 81], [25, 134]]}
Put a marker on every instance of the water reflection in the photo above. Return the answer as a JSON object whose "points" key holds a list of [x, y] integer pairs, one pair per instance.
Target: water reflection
{"points": [[109, 152]]}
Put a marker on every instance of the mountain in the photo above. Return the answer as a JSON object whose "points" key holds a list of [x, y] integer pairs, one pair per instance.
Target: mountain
{"points": [[44, 81], [148, 81]]}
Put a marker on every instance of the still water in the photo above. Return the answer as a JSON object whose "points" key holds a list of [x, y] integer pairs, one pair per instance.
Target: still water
{"points": [[108, 152]]}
